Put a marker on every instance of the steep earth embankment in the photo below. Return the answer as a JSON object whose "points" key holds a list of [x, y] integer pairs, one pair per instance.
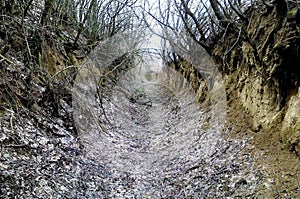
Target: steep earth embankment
{"points": [[261, 74], [264, 76]]}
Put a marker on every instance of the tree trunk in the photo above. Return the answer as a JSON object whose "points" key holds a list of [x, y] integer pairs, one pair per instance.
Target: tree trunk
{"points": [[220, 16]]}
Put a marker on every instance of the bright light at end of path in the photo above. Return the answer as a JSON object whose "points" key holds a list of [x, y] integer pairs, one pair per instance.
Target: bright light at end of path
{"points": [[153, 46]]}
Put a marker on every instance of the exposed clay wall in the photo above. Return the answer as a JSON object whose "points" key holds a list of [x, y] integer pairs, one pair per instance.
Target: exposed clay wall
{"points": [[261, 73], [265, 75]]}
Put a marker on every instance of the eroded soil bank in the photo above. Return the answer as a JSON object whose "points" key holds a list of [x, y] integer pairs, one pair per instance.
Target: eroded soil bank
{"points": [[261, 75]]}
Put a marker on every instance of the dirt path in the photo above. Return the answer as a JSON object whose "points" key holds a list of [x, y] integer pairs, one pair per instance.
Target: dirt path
{"points": [[155, 142], [158, 143]]}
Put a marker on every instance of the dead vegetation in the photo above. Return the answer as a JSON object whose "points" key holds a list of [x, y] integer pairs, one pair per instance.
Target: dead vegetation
{"points": [[42, 42]]}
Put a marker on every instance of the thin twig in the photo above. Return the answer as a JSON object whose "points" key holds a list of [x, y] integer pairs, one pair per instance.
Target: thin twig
{"points": [[5, 59], [234, 42], [27, 44], [57, 73]]}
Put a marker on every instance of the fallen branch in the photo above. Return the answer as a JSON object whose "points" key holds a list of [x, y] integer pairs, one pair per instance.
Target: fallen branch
{"points": [[62, 70], [5, 59]]}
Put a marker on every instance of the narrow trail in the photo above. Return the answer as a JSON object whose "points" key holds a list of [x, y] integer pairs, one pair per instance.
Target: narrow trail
{"points": [[156, 142]]}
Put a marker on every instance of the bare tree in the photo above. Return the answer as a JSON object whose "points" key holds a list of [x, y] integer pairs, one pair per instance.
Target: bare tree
{"points": [[205, 21]]}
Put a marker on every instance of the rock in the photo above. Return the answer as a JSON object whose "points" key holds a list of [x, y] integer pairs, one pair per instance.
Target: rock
{"points": [[256, 126], [2, 42], [241, 182], [294, 143]]}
